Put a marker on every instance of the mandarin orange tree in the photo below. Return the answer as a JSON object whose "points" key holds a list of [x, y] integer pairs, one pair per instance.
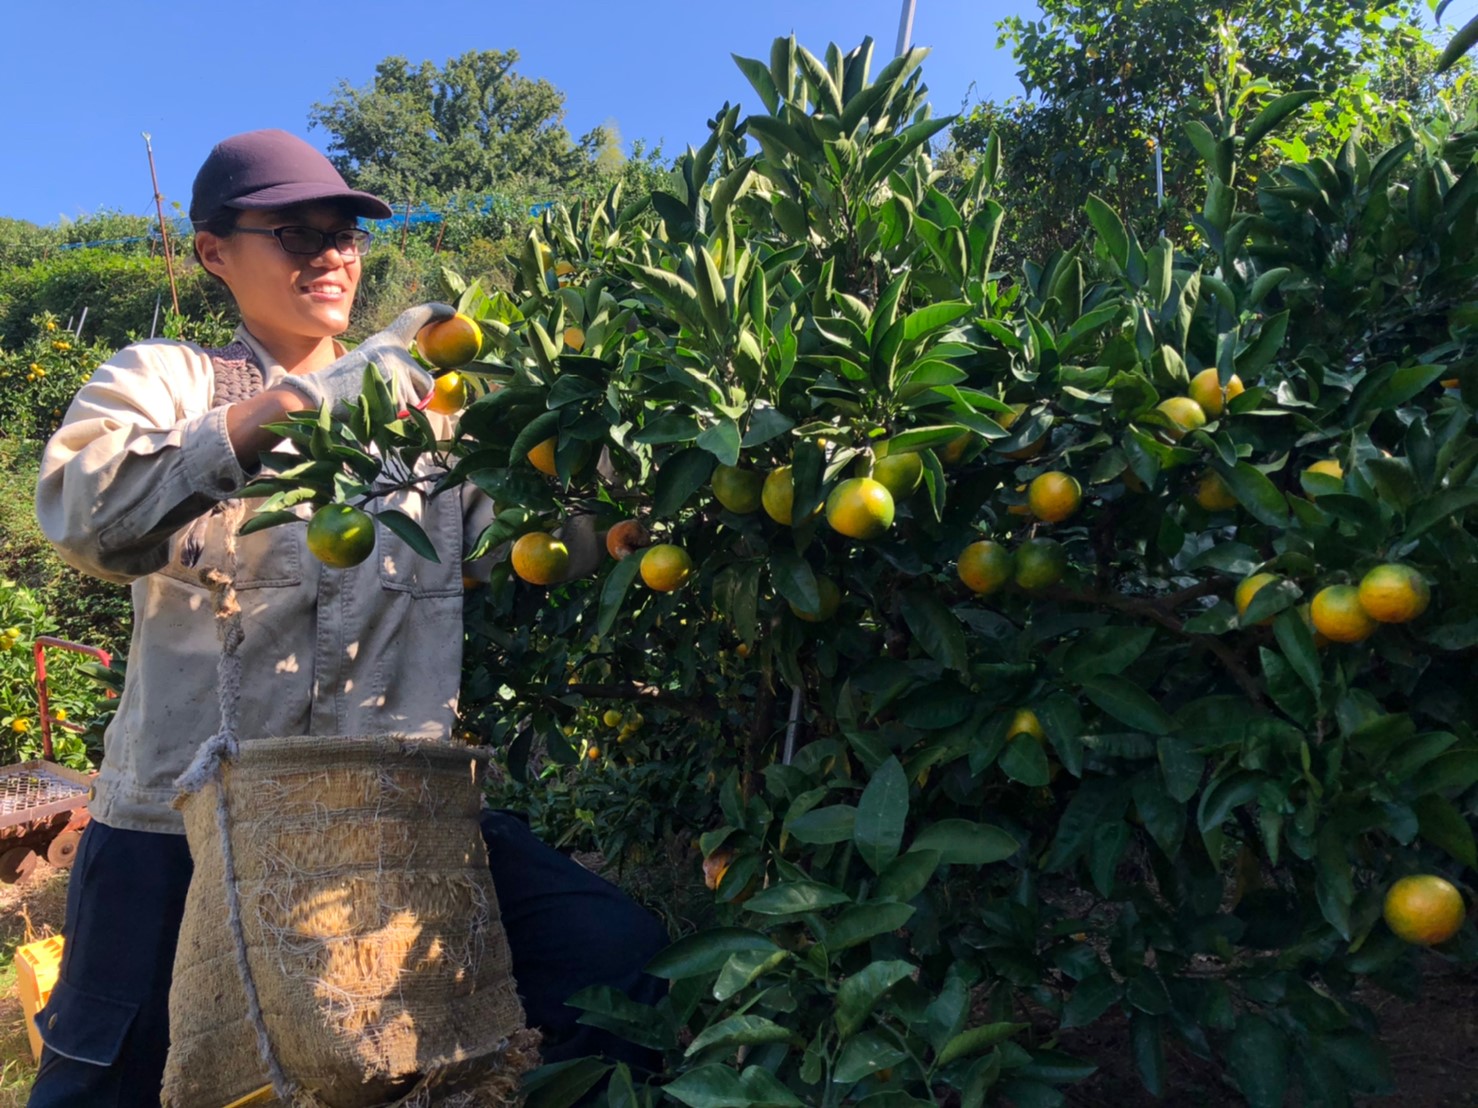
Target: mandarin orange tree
{"points": [[950, 823]]}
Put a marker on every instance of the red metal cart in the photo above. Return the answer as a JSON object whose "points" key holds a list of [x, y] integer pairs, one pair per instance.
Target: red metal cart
{"points": [[43, 805]]}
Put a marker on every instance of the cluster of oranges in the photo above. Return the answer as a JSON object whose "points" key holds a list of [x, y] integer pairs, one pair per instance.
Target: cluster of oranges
{"points": [[1344, 613]]}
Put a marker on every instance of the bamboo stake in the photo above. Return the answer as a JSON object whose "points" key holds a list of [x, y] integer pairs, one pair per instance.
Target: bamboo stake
{"points": [[174, 295]]}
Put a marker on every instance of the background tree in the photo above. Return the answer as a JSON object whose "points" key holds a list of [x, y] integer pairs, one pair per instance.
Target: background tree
{"points": [[1107, 80], [425, 132]]}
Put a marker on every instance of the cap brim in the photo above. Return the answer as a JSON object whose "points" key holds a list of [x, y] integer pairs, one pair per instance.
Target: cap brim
{"points": [[285, 196]]}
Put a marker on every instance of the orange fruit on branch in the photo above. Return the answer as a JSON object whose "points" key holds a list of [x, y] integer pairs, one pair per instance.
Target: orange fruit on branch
{"points": [[739, 490], [1394, 593], [1338, 616], [541, 456], [1213, 494], [450, 343], [449, 394], [830, 597], [1206, 390], [860, 508], [626, 538], [985, 566], [1248, 589], [1184, 413], [900, 474], [1424, 909], [1040, 563], [540, 558], [341, 535], [665, 567], [1054, 496], [777, 495], [1025, 722]]}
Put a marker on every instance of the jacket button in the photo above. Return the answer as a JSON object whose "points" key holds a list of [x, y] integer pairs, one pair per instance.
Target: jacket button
{"points": [[51, 1023]]}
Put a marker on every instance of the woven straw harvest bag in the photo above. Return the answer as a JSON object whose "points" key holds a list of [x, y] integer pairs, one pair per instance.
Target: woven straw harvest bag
{"points": [[341, 944]]}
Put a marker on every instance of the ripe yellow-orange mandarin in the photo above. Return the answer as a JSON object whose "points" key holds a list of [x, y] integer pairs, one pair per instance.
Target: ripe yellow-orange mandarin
{"points": [[739, 490], [574, 339], [449, 394], [1213, 494], [1054, 496], [1248, 589], [830, 597], [450, 343], [340, 535], [1338, 616], [1184, 413], [540, 558], [541, 456], [612, 717], [1393, 593], [1206, 390], [860, 508], [1424, 909], [666, 567], [626, 538], [1327, 467], [985, 566]]}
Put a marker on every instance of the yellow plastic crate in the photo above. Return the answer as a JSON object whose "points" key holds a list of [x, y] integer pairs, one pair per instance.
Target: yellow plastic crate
{"points": [[36, 968]]}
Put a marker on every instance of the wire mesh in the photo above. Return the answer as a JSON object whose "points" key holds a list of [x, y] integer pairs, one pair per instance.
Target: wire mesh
{"points": [[23, 789]]}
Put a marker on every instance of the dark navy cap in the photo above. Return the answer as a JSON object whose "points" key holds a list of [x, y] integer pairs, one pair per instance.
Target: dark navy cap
{"points": [[272, 169]]}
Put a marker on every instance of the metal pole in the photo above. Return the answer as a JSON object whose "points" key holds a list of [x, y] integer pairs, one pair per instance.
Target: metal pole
{"points": [[174, 295], [905, 27]]}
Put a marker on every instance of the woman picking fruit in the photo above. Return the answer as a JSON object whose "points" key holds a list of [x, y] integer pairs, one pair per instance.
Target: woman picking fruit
{"points": [[131, 490]]}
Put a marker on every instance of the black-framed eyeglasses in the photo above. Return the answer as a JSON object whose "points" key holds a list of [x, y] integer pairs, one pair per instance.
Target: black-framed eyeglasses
{"points": [[310, 242]]}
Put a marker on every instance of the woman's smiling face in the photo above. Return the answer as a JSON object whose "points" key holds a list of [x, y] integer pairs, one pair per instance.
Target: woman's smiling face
{"points": [[279, 292]]}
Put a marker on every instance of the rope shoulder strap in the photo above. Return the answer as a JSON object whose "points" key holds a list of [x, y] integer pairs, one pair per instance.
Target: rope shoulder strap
{"points": [[238, 377]]}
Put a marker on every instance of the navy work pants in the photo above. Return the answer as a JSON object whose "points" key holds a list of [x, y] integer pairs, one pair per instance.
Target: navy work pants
{"points": [[106, 1025]]}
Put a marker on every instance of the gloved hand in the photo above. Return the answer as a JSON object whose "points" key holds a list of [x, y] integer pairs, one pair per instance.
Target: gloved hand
{"points": [[341, 381]]}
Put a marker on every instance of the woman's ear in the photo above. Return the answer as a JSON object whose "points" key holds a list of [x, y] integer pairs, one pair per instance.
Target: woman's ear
{"points": [[208, 249]]}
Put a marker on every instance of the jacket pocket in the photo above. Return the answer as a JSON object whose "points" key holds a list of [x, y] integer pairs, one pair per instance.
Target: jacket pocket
{"points": [[264, 559], [401, 568], [84, 1026]]}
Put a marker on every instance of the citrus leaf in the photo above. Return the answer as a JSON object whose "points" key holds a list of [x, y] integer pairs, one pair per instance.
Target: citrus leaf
{"points": [[706, 952], [859, 994], [936, 628], [1128, 703], [409, 532], [880, 815], [613, 592]]}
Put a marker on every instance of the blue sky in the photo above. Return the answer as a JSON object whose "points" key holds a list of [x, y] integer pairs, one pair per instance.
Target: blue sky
{"points": [[80, 79]]}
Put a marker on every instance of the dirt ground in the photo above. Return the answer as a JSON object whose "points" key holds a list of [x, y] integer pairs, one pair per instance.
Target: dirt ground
{"points": [[1433, 1045], [1433, 1042]]}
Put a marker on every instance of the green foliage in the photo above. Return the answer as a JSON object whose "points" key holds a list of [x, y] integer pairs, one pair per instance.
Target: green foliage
{"points": [[72, 694], [119, 291], [1108, 82], [23, 243], [39, 377], [85, 609], [426, 132], [1202, 837]]}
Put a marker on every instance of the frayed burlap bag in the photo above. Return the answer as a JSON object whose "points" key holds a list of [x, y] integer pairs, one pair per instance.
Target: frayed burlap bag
{"points": [[341, 944], [369, 925]]}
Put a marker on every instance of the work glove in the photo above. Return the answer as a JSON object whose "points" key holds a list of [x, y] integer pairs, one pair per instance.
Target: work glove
{"points": [[341, 382]]}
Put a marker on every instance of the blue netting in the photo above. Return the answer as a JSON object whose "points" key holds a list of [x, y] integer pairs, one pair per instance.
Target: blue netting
{"points": [[419, 215]]}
